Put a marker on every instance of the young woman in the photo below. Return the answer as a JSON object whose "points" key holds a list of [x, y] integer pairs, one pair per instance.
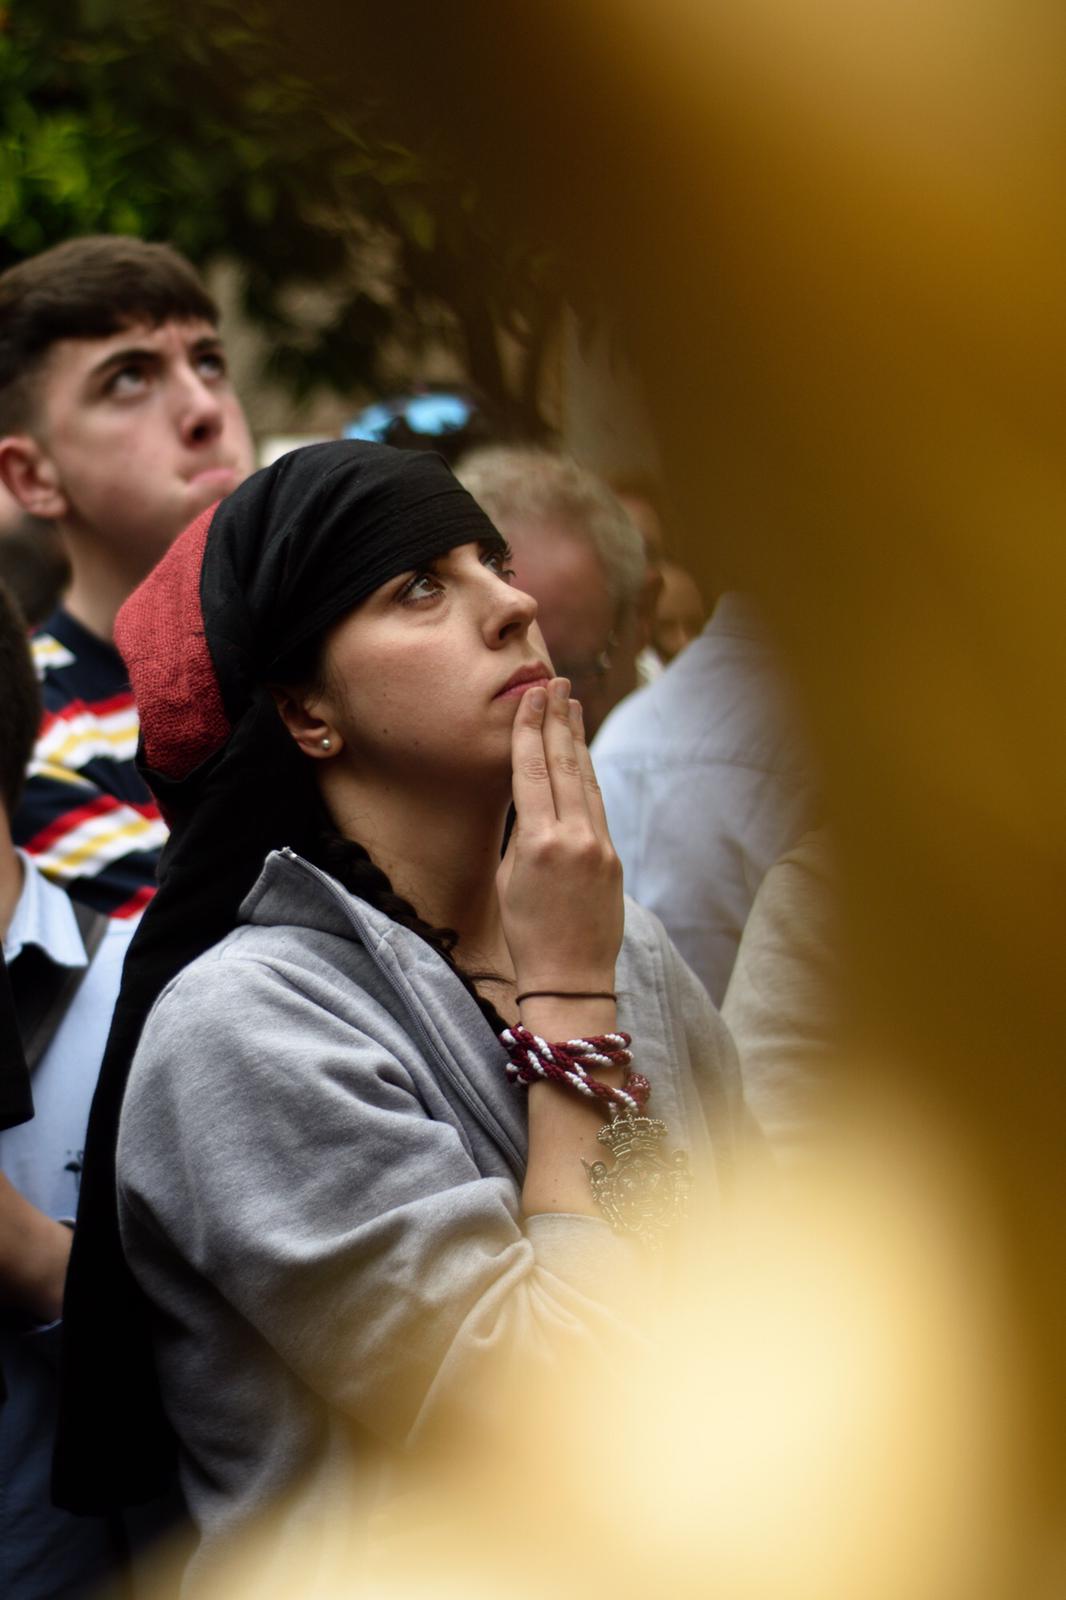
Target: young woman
{"points": [[336, 1207]]}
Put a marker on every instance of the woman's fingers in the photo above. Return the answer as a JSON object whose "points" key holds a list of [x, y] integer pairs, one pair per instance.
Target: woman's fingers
{"points": [[560, 750], [593, 796], [530, 784], [559, 882], [548, 786], [553, 775]]}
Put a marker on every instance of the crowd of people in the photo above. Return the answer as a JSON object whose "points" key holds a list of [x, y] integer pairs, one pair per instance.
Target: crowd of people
{"points": [[319, 787]]}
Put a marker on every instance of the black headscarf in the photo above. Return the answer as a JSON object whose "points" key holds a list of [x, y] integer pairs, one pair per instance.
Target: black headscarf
{"points": [[245, 592]]}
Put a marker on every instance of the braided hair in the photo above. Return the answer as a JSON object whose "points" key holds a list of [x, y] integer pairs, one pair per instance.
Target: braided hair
{"points": [[351, 864]]}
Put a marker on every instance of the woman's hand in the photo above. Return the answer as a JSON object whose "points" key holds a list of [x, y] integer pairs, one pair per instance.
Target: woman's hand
{"points": [[560, 888], [560, 882]]}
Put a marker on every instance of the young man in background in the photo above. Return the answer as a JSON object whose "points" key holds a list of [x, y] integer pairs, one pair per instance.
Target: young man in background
{"points": [[118, 424]]}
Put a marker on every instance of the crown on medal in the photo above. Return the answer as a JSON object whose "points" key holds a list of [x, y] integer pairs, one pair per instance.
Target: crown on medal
{"points": [[630, 1133]]}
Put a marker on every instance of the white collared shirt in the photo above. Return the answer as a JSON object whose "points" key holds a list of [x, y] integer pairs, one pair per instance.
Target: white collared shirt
{"points": [[706, 780], [43, 1157]]}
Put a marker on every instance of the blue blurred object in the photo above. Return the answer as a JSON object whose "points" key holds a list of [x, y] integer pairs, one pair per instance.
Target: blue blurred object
{"points": [[449, 421]]}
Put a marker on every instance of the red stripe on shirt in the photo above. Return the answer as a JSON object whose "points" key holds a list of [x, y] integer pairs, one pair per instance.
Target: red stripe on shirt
{"points": [[78, 814], [136, 902], [115, 702], [95, 708]]}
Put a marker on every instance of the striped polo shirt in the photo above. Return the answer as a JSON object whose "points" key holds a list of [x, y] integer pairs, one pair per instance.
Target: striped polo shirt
{"points": [[87, 817]]}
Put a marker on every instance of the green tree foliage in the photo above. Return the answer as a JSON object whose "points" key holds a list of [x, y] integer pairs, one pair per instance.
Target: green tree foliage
{"points": [[187, 123]]}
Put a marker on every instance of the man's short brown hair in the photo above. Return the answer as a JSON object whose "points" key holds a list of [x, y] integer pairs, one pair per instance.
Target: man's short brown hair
{"points": [[86, 289], [20, 702]]}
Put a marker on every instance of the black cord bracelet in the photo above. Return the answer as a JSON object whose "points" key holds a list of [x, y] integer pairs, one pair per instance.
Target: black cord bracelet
{"points": [[564, 994]]}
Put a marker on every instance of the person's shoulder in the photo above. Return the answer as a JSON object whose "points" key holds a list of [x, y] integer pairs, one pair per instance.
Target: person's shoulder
{"points": [[56, 666], [204, 1015], [267, 1015], [635, 719], [663, 713], [660, 717], [254, 979], [51, 652], [73, 664], [246, 956]]}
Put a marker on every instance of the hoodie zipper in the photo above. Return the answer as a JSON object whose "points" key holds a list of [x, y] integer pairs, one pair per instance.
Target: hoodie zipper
{"points": [[477, 1108]]}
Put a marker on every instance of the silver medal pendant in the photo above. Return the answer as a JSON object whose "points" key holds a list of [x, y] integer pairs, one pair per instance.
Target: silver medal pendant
{"points": [[644, 1193]]}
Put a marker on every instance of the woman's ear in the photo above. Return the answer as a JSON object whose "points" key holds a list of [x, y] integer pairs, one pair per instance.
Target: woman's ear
{"points": [[315, 736]]}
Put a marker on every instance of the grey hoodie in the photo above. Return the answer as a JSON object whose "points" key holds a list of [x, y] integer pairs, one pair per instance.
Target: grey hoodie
{"points": [[319, 1168]]}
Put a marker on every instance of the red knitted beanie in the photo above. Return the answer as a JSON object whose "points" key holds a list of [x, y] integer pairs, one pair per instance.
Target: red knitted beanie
{"points": [[160, 634]]}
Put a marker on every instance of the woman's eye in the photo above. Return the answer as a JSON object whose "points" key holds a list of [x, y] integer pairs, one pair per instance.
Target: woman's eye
{"points": [[424, 586], [497, 562]]}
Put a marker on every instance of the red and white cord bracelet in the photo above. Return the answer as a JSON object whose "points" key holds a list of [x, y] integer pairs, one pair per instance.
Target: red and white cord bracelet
{"points": [[643, 1194], [530, 1057]]}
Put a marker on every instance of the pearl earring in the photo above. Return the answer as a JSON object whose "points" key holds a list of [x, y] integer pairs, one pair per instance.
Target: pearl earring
{"points": [[326, 744]]}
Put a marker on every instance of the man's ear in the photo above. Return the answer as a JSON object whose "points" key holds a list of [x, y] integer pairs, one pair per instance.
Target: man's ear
{"points": [[30, 475], [315, 736]]}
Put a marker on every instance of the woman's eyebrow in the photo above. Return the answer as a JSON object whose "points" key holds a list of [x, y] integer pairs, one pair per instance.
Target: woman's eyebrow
{"points": [[394, 584]]}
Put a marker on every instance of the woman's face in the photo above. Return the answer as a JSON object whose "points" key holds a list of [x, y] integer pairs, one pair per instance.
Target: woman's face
{"points": [[424, 676]]}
